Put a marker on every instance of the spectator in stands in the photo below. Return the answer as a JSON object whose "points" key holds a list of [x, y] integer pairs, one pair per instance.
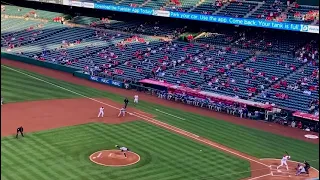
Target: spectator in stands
{"points": [[293, 124], [307, 128], [299, 125]]}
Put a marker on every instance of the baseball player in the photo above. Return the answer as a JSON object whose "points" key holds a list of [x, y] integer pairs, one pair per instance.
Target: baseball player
{"points": [[306, 166], [122, 112], [136, 99], [284, 160], [126, 101], [123, 149], [101, 112], [1, 101], [300, 169], [20, 130]]}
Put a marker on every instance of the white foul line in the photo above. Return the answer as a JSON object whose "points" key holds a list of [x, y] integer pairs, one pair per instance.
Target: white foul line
{"points": [[170, 114], [151, 120], [170, 127], [258, 177]]}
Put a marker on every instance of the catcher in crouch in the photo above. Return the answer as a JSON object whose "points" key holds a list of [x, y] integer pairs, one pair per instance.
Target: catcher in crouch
{"points": [[123, 149]]}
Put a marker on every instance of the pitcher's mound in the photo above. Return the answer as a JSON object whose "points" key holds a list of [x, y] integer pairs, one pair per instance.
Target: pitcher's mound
{"points": [[114, 158]]}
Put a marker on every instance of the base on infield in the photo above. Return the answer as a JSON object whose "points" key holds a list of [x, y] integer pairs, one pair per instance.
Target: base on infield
{"points": [[114, 158], [283, 174]]}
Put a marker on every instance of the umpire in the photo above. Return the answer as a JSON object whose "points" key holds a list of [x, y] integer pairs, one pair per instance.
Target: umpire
{"points": [[126, 101], [306, 166], [19, 130]]}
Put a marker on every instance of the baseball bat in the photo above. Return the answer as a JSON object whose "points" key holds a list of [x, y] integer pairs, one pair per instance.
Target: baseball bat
{"points": [[286, 153]]}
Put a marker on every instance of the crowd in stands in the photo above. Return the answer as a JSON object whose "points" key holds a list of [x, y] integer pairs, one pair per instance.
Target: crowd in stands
{"points": [[276, 10], [154, 28], [205, 65], [232, 108], [300, 125], [31, 13], [218, 105]]}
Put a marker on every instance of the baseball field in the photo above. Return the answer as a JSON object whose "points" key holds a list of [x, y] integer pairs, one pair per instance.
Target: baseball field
{"points": [[172, 141]]}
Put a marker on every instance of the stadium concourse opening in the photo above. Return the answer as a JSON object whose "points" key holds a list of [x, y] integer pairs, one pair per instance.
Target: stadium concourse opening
{"points": [[114, 158]]}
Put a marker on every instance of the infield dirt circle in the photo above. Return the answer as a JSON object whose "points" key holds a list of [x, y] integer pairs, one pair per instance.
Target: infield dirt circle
{"points": [[114, 158]]}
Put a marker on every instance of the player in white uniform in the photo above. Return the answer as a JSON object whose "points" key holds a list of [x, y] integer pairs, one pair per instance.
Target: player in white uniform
{"points": [[101, 112], [122, 112], [136, 99], [300, 169], [123, 149], [284, 161], [1, 101]]}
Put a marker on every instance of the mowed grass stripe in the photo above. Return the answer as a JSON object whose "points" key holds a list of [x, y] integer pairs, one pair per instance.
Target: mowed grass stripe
{"points": [[30, 91], [174, 147], [26, 79], [161, 152], [251, 141], [83, 89], [39, 153], [254, 141], [26, 166], [9, 167], [130, 142], [47, 151], [98, 131], [70, 170]]}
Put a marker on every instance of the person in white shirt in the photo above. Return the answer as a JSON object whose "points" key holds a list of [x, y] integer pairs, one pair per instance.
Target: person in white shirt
{"points": [[284, 160], [101, 112], [136, 99], [307, 92], [122, 112], [123, 149], [1, 101], [300, 169]]}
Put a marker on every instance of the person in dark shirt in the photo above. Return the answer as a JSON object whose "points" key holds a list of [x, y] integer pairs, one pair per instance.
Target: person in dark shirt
{"points": [[126, 101], [306, 166], [19, 130]]}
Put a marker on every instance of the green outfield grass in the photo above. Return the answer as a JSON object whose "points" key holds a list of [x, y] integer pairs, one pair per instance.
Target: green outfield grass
{"points": [[251, 141], [64, 154]]}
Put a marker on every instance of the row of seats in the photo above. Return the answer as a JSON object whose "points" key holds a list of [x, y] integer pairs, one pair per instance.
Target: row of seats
{"points": [[223, 70], [29, 12], [279, 42], [236, 9], [299, 100], [154, 28]]}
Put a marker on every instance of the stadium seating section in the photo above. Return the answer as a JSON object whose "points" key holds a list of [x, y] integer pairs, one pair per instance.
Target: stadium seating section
{"points": [[213, 63], [277, 10]]}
